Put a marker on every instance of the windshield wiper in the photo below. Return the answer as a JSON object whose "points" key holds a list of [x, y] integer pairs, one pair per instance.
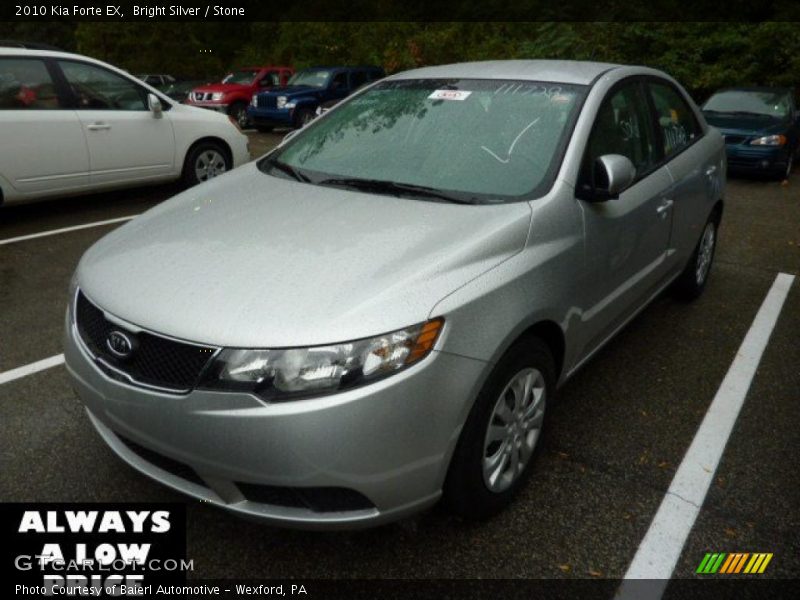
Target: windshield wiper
{"points": [[393, 188], [288, 169]]}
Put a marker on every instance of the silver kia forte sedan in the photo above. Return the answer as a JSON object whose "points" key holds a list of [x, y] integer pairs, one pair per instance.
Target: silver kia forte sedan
{"points": [[375, 315]]}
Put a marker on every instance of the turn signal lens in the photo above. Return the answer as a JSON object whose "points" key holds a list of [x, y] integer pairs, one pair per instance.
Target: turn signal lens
{"points": [[425, 340]]}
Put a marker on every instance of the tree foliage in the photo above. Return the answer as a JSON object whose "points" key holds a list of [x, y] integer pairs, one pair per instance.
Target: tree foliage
{"points": [[704, 56]]}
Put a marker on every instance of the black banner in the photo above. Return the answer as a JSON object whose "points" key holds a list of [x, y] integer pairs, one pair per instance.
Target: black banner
{"points": [[398, 10], [92, 549]]}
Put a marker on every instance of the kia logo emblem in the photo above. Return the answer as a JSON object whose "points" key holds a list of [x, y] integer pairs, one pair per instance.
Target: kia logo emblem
{"points": [[120, 344]]}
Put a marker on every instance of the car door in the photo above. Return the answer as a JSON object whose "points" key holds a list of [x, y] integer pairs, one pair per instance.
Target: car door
{"points": [[696, 168], [626, 238], [126, 142], [43, 150]]}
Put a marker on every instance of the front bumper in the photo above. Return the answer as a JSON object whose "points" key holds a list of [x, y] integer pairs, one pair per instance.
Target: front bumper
{"points": [[217, 106], [745, 158], [389, 442], [270, 117]]}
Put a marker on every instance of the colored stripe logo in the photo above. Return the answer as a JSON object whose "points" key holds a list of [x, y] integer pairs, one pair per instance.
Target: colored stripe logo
{"points": [[734, 563]]}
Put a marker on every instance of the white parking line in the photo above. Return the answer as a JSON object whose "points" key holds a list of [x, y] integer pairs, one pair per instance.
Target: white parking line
{"points": [[30, 369], [655, 560], [33, 236]]}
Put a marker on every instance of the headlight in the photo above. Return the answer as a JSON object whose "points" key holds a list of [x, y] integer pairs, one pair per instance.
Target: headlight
{"points": [[217, 96], [281, 102], [769, 140], [254, 100], [284, 374]]}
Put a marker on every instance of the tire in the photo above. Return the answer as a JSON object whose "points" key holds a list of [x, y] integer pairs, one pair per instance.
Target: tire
{"points": [[238, 110], [785, 173], [692, 281], [205, 161], [303, 117], [264, 128], [476, 486]]}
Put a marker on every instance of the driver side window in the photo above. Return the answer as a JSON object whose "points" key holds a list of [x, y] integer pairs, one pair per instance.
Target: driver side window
{"points": [[622, 126], [95, 88]]}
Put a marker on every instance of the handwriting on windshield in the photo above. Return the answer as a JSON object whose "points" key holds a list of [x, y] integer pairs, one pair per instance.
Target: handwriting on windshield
{"points": [[528, 89], [514, 143]]}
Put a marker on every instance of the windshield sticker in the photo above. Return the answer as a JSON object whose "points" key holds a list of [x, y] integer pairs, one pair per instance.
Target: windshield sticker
{"points": [[449, 95]]}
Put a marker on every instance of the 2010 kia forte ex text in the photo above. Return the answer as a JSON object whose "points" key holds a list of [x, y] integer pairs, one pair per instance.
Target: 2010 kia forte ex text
{"points": [[375, 315]]}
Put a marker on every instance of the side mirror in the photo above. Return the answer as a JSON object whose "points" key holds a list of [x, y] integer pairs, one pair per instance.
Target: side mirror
{"points": [[154, 104], [613, 174]]}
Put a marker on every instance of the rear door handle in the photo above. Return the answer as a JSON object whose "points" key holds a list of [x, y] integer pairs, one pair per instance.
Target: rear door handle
{"points": [[98, 126], [662, 209], [711, 170]]}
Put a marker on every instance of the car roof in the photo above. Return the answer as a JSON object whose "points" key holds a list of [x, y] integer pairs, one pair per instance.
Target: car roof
{"points": [[27, 45], [342, 67], [555, 71], [756, 88], [263, 68]]}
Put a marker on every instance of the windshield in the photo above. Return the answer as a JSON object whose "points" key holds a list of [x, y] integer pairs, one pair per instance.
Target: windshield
{"points": [[766, 103], [243, 76], [481, 140], [314, 78]]}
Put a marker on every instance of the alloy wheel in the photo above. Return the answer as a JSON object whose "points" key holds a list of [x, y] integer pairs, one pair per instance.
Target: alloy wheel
{"points": [[209, 164], [705, 252], [514, 428]]}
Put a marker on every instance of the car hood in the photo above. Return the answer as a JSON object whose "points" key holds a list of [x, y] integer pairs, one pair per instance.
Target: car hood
{"points": [[744, 125], [291, 90], [222, 87], [253, 260]]}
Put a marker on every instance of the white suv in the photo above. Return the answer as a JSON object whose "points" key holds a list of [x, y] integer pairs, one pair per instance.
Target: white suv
{"points": [[70, 124]]}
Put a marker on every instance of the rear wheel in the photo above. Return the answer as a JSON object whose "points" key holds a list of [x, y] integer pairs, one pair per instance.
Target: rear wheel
{"points": [[691, 283], [203, 162], [499, 441]]}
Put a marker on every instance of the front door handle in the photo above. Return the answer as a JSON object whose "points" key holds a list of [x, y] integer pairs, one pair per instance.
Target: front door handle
{"points": [[711, 170], [98, 126], [662, 209]]}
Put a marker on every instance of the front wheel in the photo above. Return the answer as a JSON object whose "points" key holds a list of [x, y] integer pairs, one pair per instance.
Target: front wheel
{"points": [[238, 111], [203, 162], [303, 117], [498, 443], [691, 283]]}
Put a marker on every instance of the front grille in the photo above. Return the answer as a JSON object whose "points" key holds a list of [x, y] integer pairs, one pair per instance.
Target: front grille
{"points": [[165, 463], [734, 139], [155, 361], [317, 499], [267, 101]]}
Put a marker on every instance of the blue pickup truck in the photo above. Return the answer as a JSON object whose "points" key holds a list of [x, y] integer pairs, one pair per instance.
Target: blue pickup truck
{"points": [[295, 104]]}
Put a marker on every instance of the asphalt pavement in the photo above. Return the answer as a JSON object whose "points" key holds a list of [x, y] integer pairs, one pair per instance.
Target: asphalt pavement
{"points": [[615, 436]]}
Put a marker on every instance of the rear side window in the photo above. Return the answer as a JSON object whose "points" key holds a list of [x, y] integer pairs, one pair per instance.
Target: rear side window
{"points": [[26, 84], [95, 88], [676, 121]]}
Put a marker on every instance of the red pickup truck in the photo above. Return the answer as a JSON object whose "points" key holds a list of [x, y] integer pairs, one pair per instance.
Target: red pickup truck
{"points": [[234, 92]]}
